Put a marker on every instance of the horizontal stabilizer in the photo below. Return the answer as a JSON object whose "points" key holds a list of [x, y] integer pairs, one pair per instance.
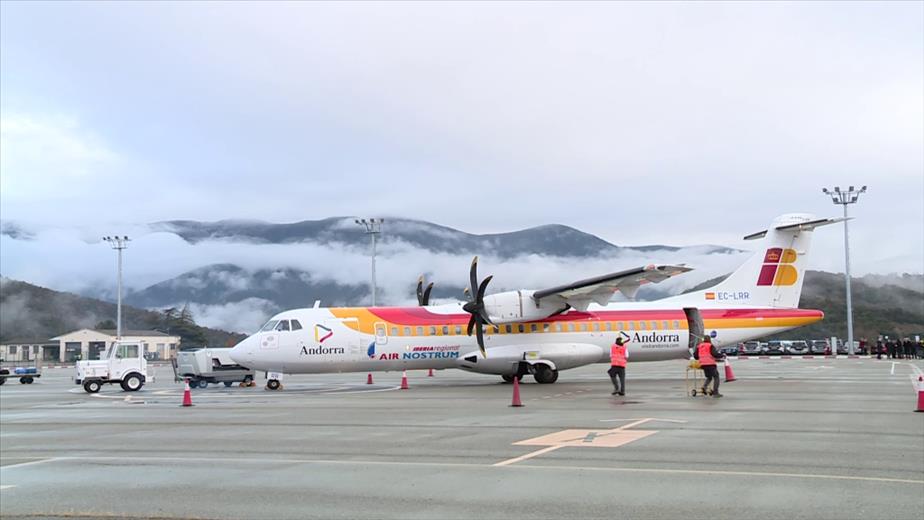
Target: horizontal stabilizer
{"points": [[801, 226]]}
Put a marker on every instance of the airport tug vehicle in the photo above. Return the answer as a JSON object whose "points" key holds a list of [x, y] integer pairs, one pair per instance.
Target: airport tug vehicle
{"points": [[124, 364]]}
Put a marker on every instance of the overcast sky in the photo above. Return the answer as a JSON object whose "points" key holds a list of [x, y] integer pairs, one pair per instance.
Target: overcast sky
{"points": [[677, 123]]}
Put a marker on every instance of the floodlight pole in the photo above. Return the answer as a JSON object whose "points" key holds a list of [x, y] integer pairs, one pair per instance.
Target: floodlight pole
{"points": [[118, 243], [850, 196], [372, 228]]}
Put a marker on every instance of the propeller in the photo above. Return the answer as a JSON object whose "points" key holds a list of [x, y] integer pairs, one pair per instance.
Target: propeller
{"points": [[475, 306], [423, 295]]}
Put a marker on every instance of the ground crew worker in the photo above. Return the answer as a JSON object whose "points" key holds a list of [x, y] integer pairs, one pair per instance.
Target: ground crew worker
{"points": [[619, 354], [707, 355]]}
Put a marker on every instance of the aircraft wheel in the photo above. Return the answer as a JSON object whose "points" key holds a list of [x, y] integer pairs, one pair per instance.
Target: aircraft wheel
{"points": [[508, 378], [228, 384], [273, 384], [545, 375]]}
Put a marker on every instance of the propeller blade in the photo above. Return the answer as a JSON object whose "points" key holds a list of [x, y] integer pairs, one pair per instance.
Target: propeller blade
{"points": [[480, 335], [420, 295], [481, 289], [473, 275], [471, 324], [426, 294]]}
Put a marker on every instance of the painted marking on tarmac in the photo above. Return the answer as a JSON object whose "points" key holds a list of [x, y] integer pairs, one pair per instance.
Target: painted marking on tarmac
{"points": [[31, 463], [271, 461], [582, 438]]}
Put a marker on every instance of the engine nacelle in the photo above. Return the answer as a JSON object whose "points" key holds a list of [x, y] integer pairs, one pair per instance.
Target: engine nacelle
{"points": [[518, 306]]}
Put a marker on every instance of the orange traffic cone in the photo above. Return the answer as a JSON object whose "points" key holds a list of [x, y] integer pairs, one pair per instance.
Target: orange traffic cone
{"points": [[404, 380], [431, 373], [187, 395], [369, 379], [920, 394], [516, 392], [729, 375]]}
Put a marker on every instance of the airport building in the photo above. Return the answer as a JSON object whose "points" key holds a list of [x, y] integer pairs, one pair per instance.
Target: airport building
{"points": [[87, 344]]}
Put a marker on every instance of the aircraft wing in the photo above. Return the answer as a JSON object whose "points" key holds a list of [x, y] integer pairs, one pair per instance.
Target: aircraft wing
{"points": [[600, 289]]}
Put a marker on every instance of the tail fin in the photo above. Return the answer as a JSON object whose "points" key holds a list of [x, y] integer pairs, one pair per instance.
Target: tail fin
{"points": [[773, 277]]}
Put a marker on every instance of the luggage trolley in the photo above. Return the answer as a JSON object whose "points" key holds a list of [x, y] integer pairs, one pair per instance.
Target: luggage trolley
{"points": [[693, 374]]}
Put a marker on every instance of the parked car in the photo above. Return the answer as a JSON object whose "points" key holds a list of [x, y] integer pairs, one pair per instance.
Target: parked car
{"points": [[774, 348], [751, 348], [819, 346], [797, 348], [729, 350]]}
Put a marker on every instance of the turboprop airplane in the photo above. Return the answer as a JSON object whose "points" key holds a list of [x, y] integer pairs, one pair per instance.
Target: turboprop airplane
{"points": [[541, 332]]}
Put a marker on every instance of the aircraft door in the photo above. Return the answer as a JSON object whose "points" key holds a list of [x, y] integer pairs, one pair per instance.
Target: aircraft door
{"points": [[347, 336], [694, 326], [381, 333]]}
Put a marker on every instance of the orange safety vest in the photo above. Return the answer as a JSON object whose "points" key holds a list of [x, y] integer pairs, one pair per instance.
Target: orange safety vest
{"points": [[618, 355], [705, 354]]}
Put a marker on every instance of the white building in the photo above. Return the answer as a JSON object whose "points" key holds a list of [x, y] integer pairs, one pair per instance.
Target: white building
{"points": [[29, 349], [91, 344]]}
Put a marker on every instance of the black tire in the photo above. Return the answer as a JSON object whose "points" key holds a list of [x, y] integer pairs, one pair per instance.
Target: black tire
{"points": [[508, 378], [203, 383], [24, 380], [545, 375], [248, 379], [29, 380], [273, 384], [228, 384], [132, 382], [92, 387]]}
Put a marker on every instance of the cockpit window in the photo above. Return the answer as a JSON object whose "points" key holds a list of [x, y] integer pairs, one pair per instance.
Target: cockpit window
{"points": [[283, 325], [296, 325], [270, 325]]}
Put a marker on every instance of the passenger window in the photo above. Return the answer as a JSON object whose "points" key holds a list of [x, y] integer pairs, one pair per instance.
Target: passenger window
{"points": [[496, 329], [584, 327], [509, 329], [596, 327], [433, 331], [283, 325], [631, 325], [641, 325], [407, 331], [546, 327], [609, 325], [420, 331], [521, 328], [533, 328], [296, 325], [571, 327], [458, 330], [394, 331], [664, 325], [445, 330], [558, 327], [676, 324], [619, 325], [654, 325]]}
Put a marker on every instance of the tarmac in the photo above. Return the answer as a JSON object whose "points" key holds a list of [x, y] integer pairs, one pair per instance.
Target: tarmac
{"points": [[798, 438]]}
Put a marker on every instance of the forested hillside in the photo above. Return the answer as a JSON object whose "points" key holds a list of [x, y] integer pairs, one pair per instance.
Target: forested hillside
{"points": [[31, 312]]}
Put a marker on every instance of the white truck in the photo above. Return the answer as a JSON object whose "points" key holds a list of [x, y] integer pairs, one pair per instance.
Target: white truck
{"points": [[124, 363], [210, 365]]}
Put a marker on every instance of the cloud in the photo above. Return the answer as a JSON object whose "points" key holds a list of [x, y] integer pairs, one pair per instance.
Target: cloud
{"points": [[245, 316]]}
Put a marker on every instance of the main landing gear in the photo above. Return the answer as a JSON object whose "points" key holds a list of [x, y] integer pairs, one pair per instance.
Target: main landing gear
{"points": [[543, 374]]}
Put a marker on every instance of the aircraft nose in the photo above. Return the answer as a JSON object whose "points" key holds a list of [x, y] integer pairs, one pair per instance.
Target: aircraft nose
{"points": [[243, 351]]}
